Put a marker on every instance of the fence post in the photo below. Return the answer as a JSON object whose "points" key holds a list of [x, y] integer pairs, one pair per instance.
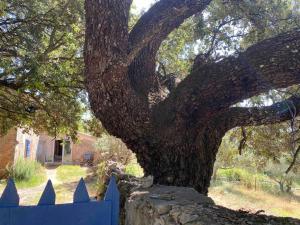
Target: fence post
{"points": [[10, 197], [112, 194], [48, 196], [81, 194], [82, 211]]}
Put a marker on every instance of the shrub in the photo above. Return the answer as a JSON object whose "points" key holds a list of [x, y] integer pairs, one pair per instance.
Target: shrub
{"points": [[113, 149], [268, 186], [101, 178], [248, 179], [134, 169], [233, 174], [23, 169]]}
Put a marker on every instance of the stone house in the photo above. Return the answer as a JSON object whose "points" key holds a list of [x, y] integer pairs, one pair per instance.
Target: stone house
{"points": [[45, 149]]}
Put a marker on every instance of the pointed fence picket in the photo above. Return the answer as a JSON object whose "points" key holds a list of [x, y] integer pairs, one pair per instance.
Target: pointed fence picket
{"points": [[81, 212]]}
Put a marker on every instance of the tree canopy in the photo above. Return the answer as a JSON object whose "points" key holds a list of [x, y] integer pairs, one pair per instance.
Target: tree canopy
{"points": [[41, 65]]}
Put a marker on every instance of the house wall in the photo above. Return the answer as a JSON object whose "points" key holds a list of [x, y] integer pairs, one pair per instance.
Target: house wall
{"points": [[7, 149], [13, 146], [85, 144], [20, 147], [45, 149]]}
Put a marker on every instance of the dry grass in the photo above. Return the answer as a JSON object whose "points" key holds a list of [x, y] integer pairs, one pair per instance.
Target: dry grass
{"points": [[238, 197]]}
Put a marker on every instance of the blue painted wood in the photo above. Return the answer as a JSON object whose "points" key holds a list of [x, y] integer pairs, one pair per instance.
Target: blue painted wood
{"points": [[113, 195], [48, 196], [27, 148], [79, 213], [81, 194], [92, 213], [10, 197]]}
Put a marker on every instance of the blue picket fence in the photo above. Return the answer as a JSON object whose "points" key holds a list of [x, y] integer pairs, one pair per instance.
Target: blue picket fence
{"points": [[81, 212]]}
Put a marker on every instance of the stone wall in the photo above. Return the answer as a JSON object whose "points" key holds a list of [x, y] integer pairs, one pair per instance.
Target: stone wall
{"points": [[7, 149], [161, 205]]}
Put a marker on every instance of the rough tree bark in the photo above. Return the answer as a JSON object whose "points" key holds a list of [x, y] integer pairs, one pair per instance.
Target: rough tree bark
{"points": [[176, 137]]}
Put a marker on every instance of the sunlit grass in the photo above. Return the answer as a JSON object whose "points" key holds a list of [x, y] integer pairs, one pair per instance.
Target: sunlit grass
{"points": [[2, 185], [36, 180], [70, 173]]}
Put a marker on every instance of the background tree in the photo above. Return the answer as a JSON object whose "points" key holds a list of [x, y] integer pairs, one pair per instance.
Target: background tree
{"points": [[41, 65], [113, 149], [268, 151]]}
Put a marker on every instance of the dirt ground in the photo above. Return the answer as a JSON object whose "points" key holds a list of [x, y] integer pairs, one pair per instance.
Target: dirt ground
{"points": [[240, 198]]}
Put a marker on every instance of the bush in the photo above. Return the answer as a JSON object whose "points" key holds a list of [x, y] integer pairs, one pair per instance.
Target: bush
{"points": [[23, 169], [233, 174], [101, 178], [248, 179], [134, 169], [268, 186], [113, 149]]}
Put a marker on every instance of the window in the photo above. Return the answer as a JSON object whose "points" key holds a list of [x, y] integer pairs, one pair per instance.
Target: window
{"points": [[27, 148], [67, 147]]}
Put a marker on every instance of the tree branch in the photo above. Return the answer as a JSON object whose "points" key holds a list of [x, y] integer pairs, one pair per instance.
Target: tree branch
{"points": [[10, 84], [106, 32], [243, 141], [7, 52], [146, 37], [214, 87], [255, 116], [294, 160], [160, 20], [106, 71]]}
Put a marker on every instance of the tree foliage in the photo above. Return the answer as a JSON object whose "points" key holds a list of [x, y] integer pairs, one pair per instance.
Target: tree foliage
{"points": [[41, 64], [226, 28], [113, 149]]}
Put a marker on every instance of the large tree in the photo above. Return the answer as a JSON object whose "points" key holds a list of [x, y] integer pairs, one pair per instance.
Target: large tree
{"points": [[176, 135]]}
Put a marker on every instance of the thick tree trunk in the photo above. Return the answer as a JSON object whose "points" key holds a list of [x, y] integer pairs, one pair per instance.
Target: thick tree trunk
{"points": [[187, 163]]}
